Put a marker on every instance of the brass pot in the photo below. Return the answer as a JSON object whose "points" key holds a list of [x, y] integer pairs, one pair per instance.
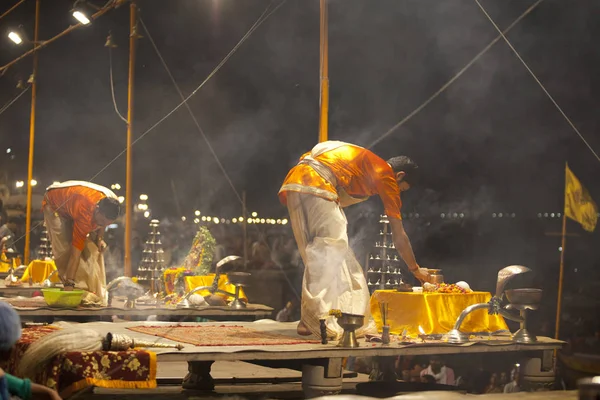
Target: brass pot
{"points": [[436, 275]]}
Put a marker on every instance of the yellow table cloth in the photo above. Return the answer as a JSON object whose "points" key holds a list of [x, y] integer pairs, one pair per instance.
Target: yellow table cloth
{"points": [[39, 270], [5, 263], [192, 282], [435, 312]]}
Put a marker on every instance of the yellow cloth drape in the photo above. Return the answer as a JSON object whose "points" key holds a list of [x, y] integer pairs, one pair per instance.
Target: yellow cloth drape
{"points": [[192, 282], [40, 270], [5, 263], [434, 312]]}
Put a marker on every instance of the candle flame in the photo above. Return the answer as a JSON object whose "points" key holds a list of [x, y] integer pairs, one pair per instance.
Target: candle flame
{"points": [[421, 330]]}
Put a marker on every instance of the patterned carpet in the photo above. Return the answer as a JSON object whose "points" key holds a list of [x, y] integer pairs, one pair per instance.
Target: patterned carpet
{"points": [[222, 335]]}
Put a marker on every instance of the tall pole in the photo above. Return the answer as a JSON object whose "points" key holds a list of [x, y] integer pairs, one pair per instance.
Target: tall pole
{"points": [[245, 228], [560, 275], [324, 72], [128, 192], [31, 135]]}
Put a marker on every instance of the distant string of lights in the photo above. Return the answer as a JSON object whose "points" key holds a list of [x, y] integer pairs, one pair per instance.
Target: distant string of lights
{"points": [[240, 220], [143, 206]]}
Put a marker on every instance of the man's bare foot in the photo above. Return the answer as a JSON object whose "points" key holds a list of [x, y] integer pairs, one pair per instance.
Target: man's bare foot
{"points": [[303, 329]]}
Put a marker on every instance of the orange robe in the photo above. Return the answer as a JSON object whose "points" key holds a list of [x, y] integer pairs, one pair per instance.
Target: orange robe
{"points": [[75, 203], [357, 170]]}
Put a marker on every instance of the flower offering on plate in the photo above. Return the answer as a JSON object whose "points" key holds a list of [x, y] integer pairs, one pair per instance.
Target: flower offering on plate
{"points": [[459, 287]]}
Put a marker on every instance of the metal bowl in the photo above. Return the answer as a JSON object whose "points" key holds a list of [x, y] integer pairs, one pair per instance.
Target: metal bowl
{"points": [[435, 275], [238, 278], [524, 296], [351, 321]]}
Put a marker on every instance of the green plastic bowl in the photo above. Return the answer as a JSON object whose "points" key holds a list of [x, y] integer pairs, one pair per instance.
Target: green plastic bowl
{"points": [[56, 297]]}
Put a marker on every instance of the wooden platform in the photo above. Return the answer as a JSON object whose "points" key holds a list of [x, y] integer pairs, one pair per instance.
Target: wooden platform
{"points": [[321, 364], [253, 311], [309, 351]]}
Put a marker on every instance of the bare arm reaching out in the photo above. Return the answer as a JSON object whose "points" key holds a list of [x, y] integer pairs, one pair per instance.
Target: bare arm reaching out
{"points": [[402, 243]]}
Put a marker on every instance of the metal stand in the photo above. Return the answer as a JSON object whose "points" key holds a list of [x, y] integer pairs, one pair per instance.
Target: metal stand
{"points": [[350, 323], [493, 306], [523, 335], [237, 303], [383, 270], [152, 265]]}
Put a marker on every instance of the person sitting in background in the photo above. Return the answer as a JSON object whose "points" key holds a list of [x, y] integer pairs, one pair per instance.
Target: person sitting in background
{"points": [[442, 374], [10, 333], [493, 386], [286, 314], [3, 213], [8, 231], [514, 386]]}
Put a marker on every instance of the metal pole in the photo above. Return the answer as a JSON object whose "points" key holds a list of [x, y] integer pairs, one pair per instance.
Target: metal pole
{"points": [[128, 191], [560, 276], [31, 136], [324, 100], [245, 228]]}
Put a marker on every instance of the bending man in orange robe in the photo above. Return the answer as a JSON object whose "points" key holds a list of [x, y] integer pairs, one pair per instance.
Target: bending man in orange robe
{"points": [[75, 215], [332, 176]]}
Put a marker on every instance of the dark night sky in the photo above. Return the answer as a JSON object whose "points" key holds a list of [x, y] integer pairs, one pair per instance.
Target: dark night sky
{"points": [[491, 142]]}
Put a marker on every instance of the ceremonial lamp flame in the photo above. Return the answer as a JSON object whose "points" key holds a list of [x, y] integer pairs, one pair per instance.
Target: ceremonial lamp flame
{"points": [[422, 333]]}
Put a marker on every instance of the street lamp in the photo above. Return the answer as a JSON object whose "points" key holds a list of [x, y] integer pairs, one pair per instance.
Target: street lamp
{"points": [[33, 182], [15, 37], [81, 11], [20, 184], [79, 16], [197, 213], [18, 36], [143, 197]]}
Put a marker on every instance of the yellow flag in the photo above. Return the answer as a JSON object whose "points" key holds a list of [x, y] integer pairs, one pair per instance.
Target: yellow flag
{"points": [[579, 206]]}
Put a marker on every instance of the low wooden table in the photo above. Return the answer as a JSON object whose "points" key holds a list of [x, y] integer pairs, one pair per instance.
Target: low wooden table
{"points": [[23, 290], [219, 313], [321, 364]]}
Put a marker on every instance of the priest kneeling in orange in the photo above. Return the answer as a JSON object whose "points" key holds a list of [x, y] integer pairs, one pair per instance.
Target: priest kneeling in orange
{"points": [[332, 176], [76, 214]]}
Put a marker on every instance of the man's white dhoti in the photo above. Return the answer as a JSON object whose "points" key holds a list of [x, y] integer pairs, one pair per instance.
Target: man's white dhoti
{"points": [[91, 274], [333, 278]]}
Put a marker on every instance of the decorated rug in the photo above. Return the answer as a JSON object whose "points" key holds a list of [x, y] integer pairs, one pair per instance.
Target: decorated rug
{"points": [[219, 335], [26, 302], [73, 371]]}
